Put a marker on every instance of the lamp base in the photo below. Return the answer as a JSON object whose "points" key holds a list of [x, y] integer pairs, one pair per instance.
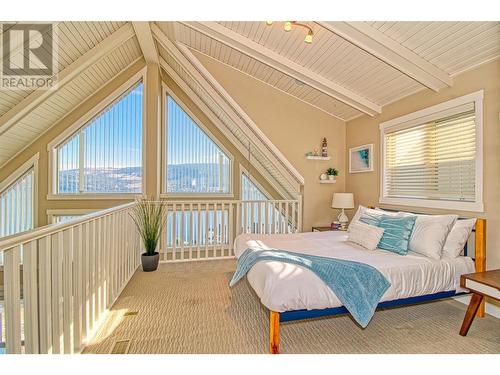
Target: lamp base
{"points": [[343, 220]]}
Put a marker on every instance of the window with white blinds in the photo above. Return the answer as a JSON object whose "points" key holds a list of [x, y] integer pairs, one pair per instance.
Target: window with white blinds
{"points": [[250, 191], [17, 205], [105, 155], [433, 160], [195, 163]]}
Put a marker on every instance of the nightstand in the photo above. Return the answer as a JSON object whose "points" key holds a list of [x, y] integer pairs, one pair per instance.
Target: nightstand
{"points": [[325, 229]]}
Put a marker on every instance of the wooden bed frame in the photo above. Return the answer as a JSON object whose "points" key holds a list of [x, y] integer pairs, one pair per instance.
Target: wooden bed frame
{"points": [[480, 263]]}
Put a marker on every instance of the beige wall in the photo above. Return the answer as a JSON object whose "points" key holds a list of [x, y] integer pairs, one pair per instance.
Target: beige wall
{"points": [[365, 186], [294, 127]]}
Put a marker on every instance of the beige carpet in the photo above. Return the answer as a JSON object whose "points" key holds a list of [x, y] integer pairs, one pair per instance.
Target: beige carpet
{"points": [[189, 308]]}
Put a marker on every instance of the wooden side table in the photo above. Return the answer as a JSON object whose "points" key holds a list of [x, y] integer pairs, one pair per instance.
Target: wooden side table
{"points": [[325, 229], [481, 284]]}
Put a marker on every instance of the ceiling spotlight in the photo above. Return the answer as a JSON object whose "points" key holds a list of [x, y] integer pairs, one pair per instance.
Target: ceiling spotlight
{"points": [[309, 38], [287, 26]]}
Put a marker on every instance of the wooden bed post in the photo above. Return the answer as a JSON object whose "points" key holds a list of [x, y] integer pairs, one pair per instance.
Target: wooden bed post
{"points": [[274, 332], [480, 255]]}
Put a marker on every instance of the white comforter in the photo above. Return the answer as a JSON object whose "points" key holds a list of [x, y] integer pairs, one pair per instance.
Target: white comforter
{"points": [[283, 287]]}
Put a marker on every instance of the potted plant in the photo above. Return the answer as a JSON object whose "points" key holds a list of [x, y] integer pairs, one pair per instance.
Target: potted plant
{"points": [[332, 172], [149, 218]]}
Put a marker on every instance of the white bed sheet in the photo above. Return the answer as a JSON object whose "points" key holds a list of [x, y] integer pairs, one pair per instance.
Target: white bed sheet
{"points": [[284, 287]]}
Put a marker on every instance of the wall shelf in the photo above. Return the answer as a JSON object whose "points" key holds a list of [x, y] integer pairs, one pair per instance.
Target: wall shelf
{"points": [[311, 157], [327, 181]]}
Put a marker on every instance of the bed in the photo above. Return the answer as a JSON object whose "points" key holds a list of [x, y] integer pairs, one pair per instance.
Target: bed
{"points": [[291, 292]]}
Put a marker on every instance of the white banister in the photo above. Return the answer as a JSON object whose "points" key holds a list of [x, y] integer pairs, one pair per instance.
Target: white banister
{"points": [[69, 274], [206, 229], [60, 280]]}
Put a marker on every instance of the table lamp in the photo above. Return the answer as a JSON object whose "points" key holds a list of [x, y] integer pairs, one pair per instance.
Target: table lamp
{"points": [[343, 201]]}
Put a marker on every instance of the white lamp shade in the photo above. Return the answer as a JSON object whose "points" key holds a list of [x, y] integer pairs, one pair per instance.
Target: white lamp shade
{"points": [[343, 200]]}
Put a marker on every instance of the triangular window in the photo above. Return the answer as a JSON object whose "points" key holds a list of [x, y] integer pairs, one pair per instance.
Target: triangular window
{"points": [[17, 205], [250, 191], [105, 155], [195, 163]]}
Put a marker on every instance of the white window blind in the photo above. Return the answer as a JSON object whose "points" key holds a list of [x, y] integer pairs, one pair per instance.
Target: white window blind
{"points": [[105, 156], [195, 164], [16, 206], [250, 191], [433, 159]]}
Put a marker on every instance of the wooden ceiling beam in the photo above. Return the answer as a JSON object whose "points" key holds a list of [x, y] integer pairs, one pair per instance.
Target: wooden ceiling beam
{"points": [[391, 52], [270, 58], [146, 42], [33, 100]]}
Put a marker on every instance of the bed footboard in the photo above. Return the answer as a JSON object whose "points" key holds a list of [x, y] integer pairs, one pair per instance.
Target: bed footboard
{"points": [[274, 332]]}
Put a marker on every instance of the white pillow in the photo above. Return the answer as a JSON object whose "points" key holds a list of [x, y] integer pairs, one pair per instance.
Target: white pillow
{"points": [[429, 233], [456, 240], [377, 211], [365, 235]]}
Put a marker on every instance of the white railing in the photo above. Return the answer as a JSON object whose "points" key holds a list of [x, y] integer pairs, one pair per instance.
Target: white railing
{"points": [[60, 280], [207, 229]]}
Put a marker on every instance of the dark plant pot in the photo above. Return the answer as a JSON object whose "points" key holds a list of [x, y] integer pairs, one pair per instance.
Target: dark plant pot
{"points": [[150, 262]]}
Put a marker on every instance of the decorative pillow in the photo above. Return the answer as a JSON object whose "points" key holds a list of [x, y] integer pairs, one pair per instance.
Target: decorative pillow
{"points": [[365, 210], [429, 233], [365, 235], [456, 240], [397, 231]]}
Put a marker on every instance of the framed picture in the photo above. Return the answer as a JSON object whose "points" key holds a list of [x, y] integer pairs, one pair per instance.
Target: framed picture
{"points": [[361, 159]]}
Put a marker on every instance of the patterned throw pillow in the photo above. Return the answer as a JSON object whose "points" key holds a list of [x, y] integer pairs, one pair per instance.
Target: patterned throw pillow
{"points": [[397, 231], [367, 236]]}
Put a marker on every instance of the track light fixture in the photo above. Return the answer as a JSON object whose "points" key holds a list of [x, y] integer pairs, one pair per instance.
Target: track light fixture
{"points": [[288, 25]]}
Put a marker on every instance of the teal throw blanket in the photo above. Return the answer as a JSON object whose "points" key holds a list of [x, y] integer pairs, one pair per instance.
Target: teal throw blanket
{"points": [[357, 285]]}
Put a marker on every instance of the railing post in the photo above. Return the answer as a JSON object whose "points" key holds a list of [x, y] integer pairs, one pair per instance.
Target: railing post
{"points": [[77, 287], [45, 294], [68, 322], [12, 284], [30, 297]]}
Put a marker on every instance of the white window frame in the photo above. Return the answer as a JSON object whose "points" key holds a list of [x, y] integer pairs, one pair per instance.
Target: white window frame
{"points": [[31, 163], [52, 213], [162, 172], [81, 122], [418, 117]]}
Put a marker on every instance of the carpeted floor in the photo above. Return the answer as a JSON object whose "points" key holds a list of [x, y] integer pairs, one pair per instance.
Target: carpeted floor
{"points": [[189, 308]]}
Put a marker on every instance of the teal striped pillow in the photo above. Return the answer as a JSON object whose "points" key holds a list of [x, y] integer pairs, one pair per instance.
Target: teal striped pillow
{"points": [[397, 231]]}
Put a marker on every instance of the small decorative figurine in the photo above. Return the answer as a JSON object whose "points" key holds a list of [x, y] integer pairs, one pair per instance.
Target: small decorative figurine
{"points": [[324, 148], [316, 152]]}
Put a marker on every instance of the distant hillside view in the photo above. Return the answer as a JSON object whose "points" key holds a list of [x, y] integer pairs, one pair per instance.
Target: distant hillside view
{"points": [[102, 180], [183, 178], [196, 178]]}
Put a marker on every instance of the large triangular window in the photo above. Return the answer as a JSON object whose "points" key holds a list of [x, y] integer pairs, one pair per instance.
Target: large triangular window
{"points": [[195, 163], [105, 155]]}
